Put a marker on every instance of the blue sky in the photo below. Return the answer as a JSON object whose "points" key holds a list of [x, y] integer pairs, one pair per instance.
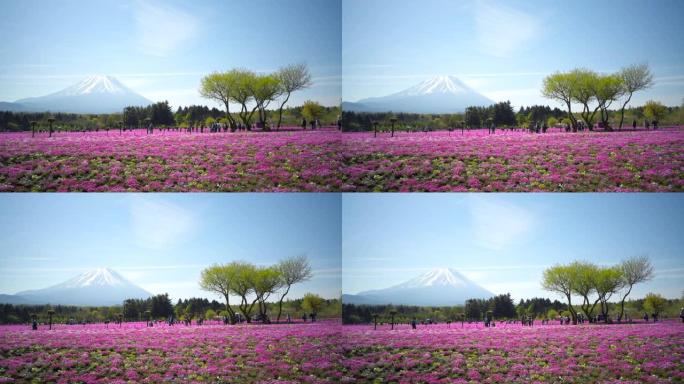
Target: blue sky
{"points": [[504, 241], [504, 49], [161, 49], [162, 241]]}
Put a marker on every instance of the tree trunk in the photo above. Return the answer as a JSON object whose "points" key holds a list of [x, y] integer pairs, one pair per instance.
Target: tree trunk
{"points": [[231, 121], [585, 307], [280, 110], [573, 314], [591, 310], [622, 118], [280, 303], [230, 311], [622, 303], [573, 121]]}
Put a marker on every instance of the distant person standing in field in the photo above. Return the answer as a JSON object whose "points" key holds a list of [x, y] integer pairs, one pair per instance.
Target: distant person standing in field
{"points": [[646, 124], [634, 124], [413, 321], [646, 317], [655, 124], [681, 314], [304, 123]]}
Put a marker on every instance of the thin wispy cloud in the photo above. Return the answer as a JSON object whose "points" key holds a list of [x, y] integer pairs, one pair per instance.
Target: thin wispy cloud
{"points": [[26, 66], [159, 224], [29, 258], [327, 272], [163, 28], [498, 224], [669, 80], [502, 31]]}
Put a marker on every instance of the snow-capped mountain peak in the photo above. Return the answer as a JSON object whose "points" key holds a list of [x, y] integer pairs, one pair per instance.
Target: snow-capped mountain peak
{"points": [[437, 277], [101, 286], [437, 84], [437, 287], [95, 84], [96, 278], [92, 95], [440, 94]]}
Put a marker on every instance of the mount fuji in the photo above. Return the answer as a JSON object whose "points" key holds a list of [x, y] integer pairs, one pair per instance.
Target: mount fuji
{"points": [[101, 286], [92, 95], [438, 287], [440, 94]]}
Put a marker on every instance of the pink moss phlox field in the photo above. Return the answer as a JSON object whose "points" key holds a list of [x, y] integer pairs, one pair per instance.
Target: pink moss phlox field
{"points": [[171, 161], [326, 160], [328, 352], [636, 353], [515, 161], [134, 353]]}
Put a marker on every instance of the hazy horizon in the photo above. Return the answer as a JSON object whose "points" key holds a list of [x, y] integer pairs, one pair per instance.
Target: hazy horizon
{"points": [[503, 242]]}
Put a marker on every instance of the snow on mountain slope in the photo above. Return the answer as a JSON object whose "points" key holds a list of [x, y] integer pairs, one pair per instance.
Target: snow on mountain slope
{"points": [[440, 94], [101, 286], [436, 277], [438, 84], [437, 287], [92, 95], [95, 84], [97, 277]]}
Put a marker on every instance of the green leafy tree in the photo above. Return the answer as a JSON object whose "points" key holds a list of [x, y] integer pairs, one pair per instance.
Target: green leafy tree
{"points": [[312, 110], [162, 114], [503, 114], [608, 282], [584, 92], [292, 78], [243, 93], [654, 110], [552, 314], [245, 278], [502, 306], [561, 279], [585, 285], [293, 270], [267, 281], [312, 303], [634, 271], [220, 87], [220, 279], [654, 303], [634, 78], [265, 89], [561, 87], [551, 121], [607, 89]]}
